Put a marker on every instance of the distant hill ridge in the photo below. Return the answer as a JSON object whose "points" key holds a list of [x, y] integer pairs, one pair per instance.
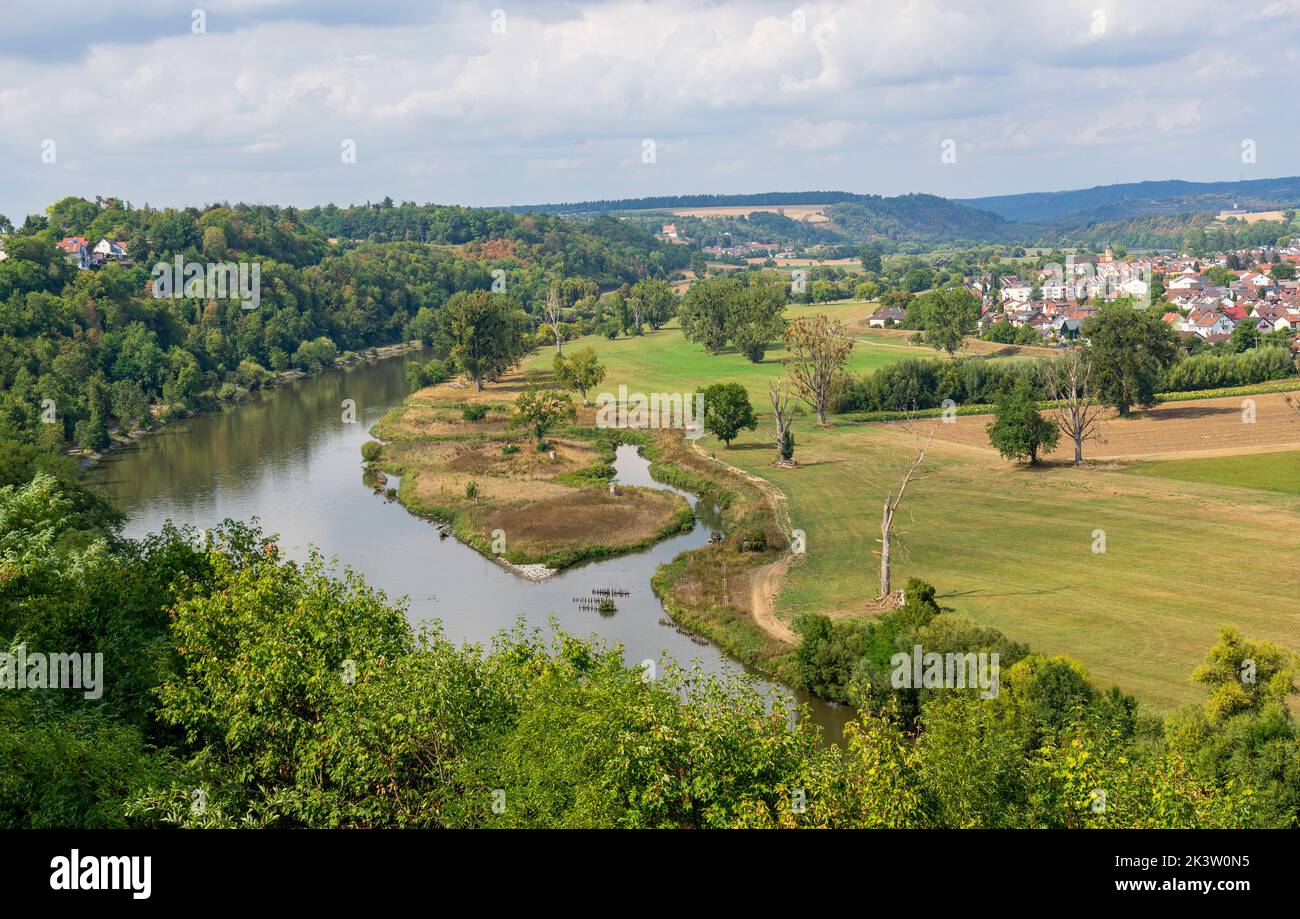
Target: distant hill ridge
{"points": [[1125, 210], [1136, 199]]}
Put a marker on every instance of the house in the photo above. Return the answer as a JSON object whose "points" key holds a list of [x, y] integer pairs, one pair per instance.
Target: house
{"points": [[1015, 290], [1274, 315], [1054, 288], [3, 255], [1263, 326], [109, 250], [1286, 321], [1208, 323], [1134, 287], [1066, 329], [1039, 323], [1188, 280], [887, 315], [77, 250]]}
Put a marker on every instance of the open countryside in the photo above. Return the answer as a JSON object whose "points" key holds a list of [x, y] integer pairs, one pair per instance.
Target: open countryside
{"points": [[628, 416]]}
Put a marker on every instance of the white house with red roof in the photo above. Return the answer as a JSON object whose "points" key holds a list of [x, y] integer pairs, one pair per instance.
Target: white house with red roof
{"points": [[77, 250]]}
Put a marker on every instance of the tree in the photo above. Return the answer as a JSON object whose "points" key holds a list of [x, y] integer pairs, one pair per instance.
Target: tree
{"points": [[315, 355], [540, 410], [893, 499], [658, 302], [948, 316], [783, 416], [1017, 429], [704, 312], [1071, 383], [1131, 349], [483, 334], [1245, 675], [727, 410], [819, 348], [1245, 336], [870, 258], [754, 319], [129, 402], [551, 313], [580, 371]]}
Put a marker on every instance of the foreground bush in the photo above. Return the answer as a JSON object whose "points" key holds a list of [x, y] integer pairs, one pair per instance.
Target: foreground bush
{"points": [[262, 692]]}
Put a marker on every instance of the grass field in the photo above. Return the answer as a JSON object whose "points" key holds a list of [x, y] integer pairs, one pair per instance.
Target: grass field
{"points": [[1278, 472], [664, 361], [1190, 543], [1012, 547]]}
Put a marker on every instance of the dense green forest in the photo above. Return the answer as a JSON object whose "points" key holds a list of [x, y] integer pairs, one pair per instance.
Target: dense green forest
{"points": [[1197, 233], [85, 351], [245, 690]]}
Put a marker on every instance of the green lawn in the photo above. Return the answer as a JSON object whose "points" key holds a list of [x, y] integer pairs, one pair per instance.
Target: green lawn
{"points": [[1013, 548], [1009, 546], [1266, 471], [664, 361]]}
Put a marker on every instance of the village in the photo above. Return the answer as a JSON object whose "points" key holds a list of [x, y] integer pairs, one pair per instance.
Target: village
{"points": [[1204, 299]]}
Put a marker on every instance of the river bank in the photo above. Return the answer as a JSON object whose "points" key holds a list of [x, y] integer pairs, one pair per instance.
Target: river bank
{"points": [[119, 441], [284, 456], [536, 513]]}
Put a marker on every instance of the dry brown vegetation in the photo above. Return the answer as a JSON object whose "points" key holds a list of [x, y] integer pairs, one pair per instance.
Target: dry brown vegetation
{"points": [[1206, 427], [547, 502]]}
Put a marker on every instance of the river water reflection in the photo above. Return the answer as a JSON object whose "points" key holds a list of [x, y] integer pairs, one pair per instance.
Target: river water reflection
{"points": [[285, 456]]}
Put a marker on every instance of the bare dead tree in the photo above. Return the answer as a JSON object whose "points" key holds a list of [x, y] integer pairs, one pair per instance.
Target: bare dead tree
{"points": [[551, 315], [1071, 382], [783, 415], [818, 348], [894, 499]]}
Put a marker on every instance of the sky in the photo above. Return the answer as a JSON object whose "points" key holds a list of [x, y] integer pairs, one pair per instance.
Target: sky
{"points": [[302, 102]]}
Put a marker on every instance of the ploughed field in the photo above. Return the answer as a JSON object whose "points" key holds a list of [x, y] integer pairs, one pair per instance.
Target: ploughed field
{"points": [[1205, 427]]}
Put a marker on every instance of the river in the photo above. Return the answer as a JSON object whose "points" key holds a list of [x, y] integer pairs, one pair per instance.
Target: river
{"points": [[286, 457]]}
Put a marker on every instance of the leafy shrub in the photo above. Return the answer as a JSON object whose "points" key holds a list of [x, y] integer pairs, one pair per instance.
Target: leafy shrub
{"points": [[429, 374], [754, 541], [370, 450], [474, 412], [926, 382], [1216, 370]]}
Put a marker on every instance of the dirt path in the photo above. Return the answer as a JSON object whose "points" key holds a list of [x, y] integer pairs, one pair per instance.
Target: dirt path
{"points": [[765, 582]]}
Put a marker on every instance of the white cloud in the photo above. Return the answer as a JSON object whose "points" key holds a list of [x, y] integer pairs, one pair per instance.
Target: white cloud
{"points": [[443, 108]]}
